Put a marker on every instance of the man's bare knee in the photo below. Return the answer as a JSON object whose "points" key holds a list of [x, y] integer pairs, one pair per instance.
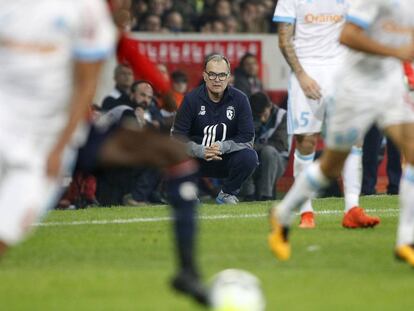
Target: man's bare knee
{"points": [[332, 163], [306, 144], [409, 152]]}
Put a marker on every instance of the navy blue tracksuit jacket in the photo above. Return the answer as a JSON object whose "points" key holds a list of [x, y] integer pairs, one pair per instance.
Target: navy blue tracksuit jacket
{"points": [[204, 122]]}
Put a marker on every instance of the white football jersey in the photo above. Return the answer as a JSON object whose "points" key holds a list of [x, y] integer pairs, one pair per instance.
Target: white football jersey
{"points": [[39, 43], [390, 22], [318, 24]]}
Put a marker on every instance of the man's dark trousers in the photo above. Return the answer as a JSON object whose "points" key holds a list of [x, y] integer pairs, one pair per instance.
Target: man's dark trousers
{"points": [[235, 167], [371, 149]]}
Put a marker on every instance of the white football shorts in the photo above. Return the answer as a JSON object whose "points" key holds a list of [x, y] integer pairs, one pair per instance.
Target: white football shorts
{"points": [[26, 193], [352, 111], [305, 115]]}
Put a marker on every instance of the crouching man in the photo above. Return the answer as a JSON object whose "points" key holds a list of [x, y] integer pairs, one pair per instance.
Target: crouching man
{"points": [[216, 121]]}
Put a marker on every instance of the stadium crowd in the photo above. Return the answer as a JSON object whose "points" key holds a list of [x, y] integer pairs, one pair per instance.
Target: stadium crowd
{"points": [[209, 16]]}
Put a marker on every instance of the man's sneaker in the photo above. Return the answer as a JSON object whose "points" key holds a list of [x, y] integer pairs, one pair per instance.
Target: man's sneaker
{"points": [[225, 198], [278, 237], [356, 218], [405, 253], [189, 284], [128, 200], [307, 220]]}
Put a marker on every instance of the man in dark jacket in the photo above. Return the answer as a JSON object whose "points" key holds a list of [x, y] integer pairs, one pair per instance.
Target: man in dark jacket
{"points": [[271, 144], [216, 121], [119, 96]]}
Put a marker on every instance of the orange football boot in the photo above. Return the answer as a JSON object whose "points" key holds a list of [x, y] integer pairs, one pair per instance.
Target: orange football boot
{"points": [[307, 220], [356, 218]]}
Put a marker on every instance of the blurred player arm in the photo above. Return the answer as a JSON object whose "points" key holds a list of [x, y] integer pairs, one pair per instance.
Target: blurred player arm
{"points": [[309, 86], [121, 13], [85, 81], [356, 38], [129, 53]]}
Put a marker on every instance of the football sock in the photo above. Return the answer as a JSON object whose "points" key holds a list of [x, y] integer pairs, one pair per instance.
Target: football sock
{"points": [[300, 163], [305, 187], [352, 178], [405, 234], [182, 195]]}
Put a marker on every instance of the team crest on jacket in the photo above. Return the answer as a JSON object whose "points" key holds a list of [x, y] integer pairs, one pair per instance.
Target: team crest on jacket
{"points": [[230, 112]]}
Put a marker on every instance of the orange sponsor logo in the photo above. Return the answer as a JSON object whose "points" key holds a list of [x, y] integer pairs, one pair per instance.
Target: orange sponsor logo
{"points": [[393, 27], [323, 18], [28, 46]]}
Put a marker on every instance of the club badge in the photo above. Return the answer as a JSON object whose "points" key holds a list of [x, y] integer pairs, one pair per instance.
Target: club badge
{"points": [[230, 113]]}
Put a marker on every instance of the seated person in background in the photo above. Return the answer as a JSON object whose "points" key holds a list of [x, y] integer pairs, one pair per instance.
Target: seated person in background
{"points": [[173, 21], [132, 186], [216, 121], [124, 78], [146, 111], [246, 76], [80, 193], [271, 145], [180, 86]]}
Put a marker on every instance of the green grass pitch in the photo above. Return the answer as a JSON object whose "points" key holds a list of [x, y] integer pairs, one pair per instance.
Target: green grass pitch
{"points": [[121, 259]]}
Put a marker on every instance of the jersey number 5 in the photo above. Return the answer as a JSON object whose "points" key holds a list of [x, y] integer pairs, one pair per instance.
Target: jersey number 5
{"points": [[304, 119]]}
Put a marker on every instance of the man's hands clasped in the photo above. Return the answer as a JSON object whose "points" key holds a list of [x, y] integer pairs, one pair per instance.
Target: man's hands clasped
{"points": [[213, 152]]}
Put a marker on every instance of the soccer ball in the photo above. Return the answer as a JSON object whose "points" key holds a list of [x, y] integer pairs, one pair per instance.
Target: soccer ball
{"points": [[236, 290]]}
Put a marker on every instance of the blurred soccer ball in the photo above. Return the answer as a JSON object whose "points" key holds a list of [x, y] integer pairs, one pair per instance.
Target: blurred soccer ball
{"points": [[236, 290]]}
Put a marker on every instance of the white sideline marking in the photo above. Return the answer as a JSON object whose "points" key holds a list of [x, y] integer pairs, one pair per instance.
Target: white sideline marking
{"points": [[390, 212]]}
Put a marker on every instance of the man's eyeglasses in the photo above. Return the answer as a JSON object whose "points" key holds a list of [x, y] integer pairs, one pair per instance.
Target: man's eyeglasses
{"points": [[213, 76]]}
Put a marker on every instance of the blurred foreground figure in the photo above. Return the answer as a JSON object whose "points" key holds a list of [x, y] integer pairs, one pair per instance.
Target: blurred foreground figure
{"points": [[370, 89], [51, 53], [128, 146]]}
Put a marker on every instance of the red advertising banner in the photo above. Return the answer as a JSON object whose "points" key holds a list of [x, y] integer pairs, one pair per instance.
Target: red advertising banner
{"points": [[188, 56]]}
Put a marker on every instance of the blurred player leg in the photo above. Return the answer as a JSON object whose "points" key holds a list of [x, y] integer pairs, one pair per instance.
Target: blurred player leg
{"points": [[132, 147], [278, 238], [405, 232], [305, 187], [404, 137], [355, 216], [182, 195], [30, 193]]}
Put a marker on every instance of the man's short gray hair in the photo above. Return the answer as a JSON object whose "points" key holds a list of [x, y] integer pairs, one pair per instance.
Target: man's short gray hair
{"points": [[216, 58]]}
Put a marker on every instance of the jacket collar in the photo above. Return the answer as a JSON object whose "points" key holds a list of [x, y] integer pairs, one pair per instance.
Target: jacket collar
{"points": [[202, 93]]}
